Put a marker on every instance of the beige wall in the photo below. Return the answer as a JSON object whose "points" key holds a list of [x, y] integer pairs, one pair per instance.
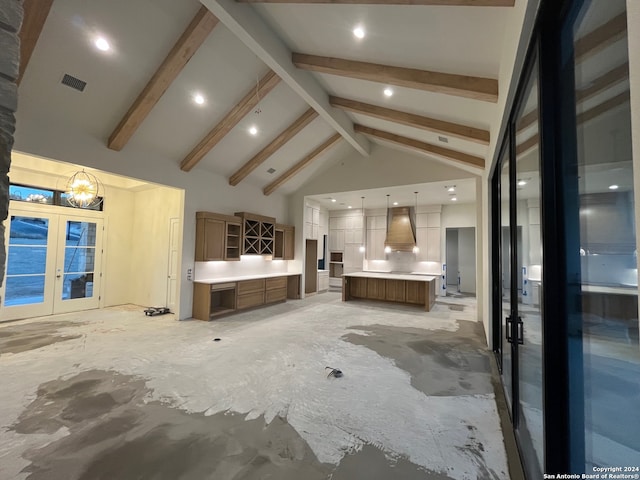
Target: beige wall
{"points": [[149, 267], [117, 247]]}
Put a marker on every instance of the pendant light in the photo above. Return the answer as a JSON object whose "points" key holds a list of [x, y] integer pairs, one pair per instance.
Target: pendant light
{"points": [[415, 220], [362, 245], [83, 190]]}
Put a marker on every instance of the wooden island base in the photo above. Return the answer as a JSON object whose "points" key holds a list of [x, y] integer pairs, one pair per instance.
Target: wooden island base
{"points": [[390, 288]]}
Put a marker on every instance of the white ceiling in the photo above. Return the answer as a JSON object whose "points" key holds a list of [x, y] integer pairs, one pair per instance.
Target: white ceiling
{"points": [[434, 193], [143, 31]]}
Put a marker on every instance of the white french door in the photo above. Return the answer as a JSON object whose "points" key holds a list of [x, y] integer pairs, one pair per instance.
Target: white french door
{"points": [[53, 263]]}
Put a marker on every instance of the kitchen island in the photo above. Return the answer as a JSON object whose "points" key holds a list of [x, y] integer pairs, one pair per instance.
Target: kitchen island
{"points": [[390, 287]]}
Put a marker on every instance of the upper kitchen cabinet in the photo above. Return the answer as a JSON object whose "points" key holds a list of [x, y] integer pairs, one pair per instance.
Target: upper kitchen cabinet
{"points": [[284, 246], [312, 222], [258, 234], [217, 237]]}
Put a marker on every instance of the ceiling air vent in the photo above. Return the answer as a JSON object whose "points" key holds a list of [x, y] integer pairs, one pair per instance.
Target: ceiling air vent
{"points": [[73, 82], [271, 170], [443, 139]]}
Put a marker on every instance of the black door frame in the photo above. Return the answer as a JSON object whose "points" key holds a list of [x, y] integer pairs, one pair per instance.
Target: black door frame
{"points": [[552, 46]]}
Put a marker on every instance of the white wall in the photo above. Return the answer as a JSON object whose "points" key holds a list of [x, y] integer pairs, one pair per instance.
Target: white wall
{"points": [[204, 190]]}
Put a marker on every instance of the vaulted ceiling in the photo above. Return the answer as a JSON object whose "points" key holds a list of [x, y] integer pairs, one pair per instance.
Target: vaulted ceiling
{"points": [[293, 71]]}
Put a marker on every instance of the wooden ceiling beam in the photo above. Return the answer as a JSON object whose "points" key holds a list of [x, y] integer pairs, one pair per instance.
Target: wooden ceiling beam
{"points": [[456, 130], [250, 28], [447, 3], [287, 134], [599, 85], [230, 120], [478, 88], [447, 153], [188, 43], [298, 167], [35, 16], [598, 110], [606, 81], [584, 117], [600, 38]]}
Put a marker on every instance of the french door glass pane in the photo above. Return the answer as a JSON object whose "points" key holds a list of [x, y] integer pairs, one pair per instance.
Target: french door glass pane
{"points": [[26, 260], [529, 266], [505, 274], [79, 260], [607, 253]]}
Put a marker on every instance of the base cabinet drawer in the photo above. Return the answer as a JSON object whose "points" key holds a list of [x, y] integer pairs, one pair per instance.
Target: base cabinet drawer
{"points": [[250, 286], [248, 300], [278, 295], [276, 283]]}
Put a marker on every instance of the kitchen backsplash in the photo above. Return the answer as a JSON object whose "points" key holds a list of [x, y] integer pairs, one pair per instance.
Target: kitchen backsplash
{"points": [[248, 265], [403, 262]]}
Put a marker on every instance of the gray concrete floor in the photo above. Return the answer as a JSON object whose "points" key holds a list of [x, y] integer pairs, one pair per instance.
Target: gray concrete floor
{"points": [[113, 394]]}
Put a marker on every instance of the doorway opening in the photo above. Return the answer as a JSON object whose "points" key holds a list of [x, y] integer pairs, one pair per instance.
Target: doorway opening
{"points": [[461, 260]]}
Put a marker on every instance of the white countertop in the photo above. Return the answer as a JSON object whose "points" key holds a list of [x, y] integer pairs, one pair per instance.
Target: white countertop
{"points": [[393, 276], [613, 290], [212, 281]]}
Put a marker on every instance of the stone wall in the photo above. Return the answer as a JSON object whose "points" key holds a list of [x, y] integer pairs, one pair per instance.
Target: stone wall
{"points": [[11, 13]]}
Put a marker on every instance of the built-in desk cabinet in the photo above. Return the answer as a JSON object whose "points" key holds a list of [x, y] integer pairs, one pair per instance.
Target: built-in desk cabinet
{"points": [[217, 237], [212, 300]]}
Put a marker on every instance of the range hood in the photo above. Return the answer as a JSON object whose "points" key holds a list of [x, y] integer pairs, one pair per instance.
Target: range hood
{"points": [[401, 229]]}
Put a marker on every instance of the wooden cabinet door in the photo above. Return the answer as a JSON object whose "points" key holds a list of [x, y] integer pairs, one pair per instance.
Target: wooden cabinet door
{"points": [[376, 288], [416, 292], [210, 239], [358, 287], [289, 243], [395, 290]]}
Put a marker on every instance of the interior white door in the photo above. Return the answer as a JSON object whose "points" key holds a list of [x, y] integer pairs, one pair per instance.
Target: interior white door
{"points": [[173, 269]]}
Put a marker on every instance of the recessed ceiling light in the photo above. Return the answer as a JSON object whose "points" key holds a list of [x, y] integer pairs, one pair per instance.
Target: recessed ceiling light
{"points": [[395, 203], [333, 200], [102, 44], [358, 32], [613, 187], [198, 98], [253, 130], [454, 199], [451, 189], [522, 183], [349, 206], [388, 92]]}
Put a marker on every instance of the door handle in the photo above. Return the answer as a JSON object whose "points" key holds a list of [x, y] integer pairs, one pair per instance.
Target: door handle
{"points": [[520, 331], [58, 276], [508, 327]]}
